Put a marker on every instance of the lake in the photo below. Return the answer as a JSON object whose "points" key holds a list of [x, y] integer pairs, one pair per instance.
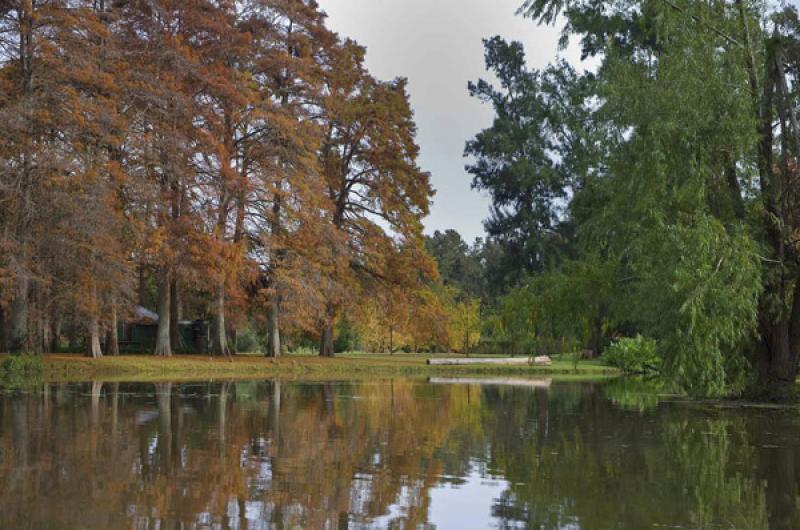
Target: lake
{"points": [[401, 453]]}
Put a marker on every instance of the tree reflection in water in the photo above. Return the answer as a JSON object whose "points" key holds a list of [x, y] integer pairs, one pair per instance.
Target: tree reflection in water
{"points": [[357, 455]]}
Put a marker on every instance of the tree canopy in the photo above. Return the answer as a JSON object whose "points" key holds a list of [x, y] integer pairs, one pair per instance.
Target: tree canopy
{"points": [[657, 191], [221, 161]]}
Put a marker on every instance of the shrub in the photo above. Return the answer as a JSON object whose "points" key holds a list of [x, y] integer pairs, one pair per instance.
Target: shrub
{"points": [[347, 337], [633, 356], [246, 342], [21, 371], [22, 365]]}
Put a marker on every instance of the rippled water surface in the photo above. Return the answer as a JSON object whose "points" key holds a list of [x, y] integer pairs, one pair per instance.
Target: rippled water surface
{"points": [[390, 454]]}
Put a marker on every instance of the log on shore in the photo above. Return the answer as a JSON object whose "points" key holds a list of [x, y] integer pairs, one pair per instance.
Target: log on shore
{"points": [[507, 381], [541, 361]]}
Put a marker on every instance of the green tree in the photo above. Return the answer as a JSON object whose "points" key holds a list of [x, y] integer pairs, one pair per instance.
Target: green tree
{"points": [[531, 159], [674, 170], [460, 265]]}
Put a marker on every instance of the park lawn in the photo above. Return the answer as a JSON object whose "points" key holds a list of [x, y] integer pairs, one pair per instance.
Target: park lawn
{"points": [[73, 367]]}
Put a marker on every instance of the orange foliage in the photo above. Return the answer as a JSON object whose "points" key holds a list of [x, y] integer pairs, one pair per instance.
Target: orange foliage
{"points": [[236, 155]]}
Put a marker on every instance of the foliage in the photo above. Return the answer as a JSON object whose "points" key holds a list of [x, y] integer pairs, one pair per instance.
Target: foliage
{"points": [[556, 311], [247, 341], [699, 294], [524, 159], [465, 324], [667, 178], [21, 371], [459, 264], [346, 337], [27, 364], [237, 160], [633, 355]]}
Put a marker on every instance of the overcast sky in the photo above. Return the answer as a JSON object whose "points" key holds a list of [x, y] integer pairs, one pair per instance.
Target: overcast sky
{"points": [[437, 45]]}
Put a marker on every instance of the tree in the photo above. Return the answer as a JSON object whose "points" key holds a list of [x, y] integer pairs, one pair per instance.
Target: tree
{"points": [[465, 323], [368, 160], [459, 265], [675, 169], [290, 66], [180, 74], [182, 146], [531, 159], [60, 175], [225, 107]]}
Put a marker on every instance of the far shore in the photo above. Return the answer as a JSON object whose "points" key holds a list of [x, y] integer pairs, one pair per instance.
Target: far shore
{"points": [[75, 367]]}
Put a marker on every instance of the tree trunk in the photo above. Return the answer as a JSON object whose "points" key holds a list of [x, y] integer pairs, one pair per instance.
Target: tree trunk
{"points": [[112, 341], [783, 365], [72, 338], [55, 334], [142, 289], [326, 341], [775, 367], [3, 341], [780, 350], [597, 334], [46, 330], [174, 332], [777, 360], [94, 336], [35, 343], [219, 339], [163, 347], [274, 344], [18, 336]]}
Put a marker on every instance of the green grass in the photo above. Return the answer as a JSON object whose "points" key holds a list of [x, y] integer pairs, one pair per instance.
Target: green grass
{"points": [[349, 365]]}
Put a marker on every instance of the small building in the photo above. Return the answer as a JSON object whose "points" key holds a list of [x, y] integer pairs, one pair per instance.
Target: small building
{"points": [[138, 334]]}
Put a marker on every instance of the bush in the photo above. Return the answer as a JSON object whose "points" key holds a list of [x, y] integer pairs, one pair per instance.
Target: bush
{"points": [[246, 342], [633, 356], [347, 338], [22, 365], [21, 371]]}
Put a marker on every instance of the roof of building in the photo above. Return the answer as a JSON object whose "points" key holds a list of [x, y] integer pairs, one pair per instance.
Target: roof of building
{"points": [[142, 313]]}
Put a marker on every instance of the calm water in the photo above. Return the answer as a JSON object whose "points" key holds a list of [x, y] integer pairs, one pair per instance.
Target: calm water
{"points": [[390, 454]]}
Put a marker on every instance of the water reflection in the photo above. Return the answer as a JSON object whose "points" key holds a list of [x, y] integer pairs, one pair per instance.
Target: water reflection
{"points": [[391, 454]]}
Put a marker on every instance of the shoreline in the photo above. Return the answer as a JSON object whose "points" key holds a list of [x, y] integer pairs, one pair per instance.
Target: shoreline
{"points": [[77, 368]]}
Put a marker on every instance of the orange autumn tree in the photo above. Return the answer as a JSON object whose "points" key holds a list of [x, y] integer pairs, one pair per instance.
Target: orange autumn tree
{"points": [[224, 101], [178, 50], [64, 231], [389, 308], [235, 159], [378, 193], [289, 51], [158, 146]]}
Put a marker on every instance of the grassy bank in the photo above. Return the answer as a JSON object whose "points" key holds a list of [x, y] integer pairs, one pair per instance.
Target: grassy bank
{"points": [[353, 365]]}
